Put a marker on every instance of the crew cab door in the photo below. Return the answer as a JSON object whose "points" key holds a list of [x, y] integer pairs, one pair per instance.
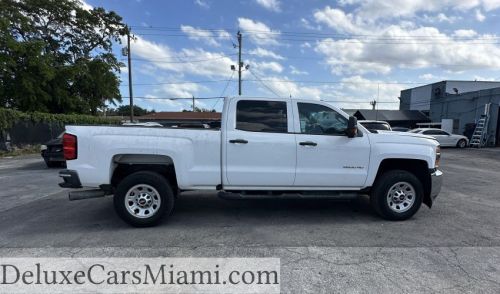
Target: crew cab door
{"points": [[259, 148], [326, 157]]}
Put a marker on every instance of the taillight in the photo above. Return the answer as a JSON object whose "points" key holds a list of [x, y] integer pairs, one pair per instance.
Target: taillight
{"points": [[69, 146]]}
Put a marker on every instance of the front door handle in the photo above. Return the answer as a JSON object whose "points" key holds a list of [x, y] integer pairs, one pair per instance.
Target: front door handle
{"points": [[238, 141], [308, 143]]}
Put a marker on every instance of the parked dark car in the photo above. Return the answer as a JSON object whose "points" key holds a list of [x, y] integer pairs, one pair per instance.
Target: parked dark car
{"points": [[52, 152]]}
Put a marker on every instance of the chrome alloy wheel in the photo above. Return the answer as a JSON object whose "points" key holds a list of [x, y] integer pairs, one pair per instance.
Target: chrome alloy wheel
{"points": [[142, 201], [401, 197]]}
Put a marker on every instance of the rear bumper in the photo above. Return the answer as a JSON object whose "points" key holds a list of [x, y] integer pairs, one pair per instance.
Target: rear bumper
{"points": [[71, 179], [53, 156], [436, 183]]}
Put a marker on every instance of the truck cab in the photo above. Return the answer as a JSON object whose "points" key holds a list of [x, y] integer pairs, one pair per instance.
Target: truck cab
{"points": [[263, 147]]}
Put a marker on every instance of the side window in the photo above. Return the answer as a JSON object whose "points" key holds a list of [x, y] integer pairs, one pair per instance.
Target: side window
{"points": [[317, 119], [261, 116], [435, 132]]}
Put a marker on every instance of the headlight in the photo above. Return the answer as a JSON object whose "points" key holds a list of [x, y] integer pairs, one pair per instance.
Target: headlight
{"points": [[43, 147], [438, 156]]}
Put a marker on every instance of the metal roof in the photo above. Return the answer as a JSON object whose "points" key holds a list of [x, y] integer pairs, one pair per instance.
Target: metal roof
{"points": [[391, 115], [187, 115]]}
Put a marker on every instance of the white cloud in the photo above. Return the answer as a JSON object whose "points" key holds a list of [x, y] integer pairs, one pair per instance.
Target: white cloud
{"points": [[206, 36], [440, 17], [163, 57], [165, 104], [295, 71], [223, 35], [178, 90], [360, 90], [258, 32], [372, 10], [272, 5], [427, 77], [261, 52], [267, 66], [202, 4], [379, 47], [491, 4], [339, 20], [85, 5], [286, 88], [464, 33], [479, 16]]}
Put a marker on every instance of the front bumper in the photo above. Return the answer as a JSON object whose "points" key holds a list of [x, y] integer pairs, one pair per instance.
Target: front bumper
{"points": [[436, 183], [71, 179]]}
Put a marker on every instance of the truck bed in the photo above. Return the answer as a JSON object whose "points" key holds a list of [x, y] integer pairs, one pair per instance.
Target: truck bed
{"points": [[197, 150]]}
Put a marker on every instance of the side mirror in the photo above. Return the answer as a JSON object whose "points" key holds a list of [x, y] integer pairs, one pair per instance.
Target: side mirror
{"points": [[352, 127]]}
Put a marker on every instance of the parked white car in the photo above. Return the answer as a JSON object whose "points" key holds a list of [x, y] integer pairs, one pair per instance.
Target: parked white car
{"points": [[444, 138]]}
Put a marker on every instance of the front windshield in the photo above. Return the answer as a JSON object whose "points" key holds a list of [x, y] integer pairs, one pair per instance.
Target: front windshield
{"points": [[415, 131]]}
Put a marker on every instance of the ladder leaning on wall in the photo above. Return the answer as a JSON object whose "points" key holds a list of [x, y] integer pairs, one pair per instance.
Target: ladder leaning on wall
{"points": [[480, 136]]}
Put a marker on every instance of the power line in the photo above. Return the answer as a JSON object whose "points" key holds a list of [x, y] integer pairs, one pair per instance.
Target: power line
{"points": [[264, 84], [175, 83], [280, 81], [317, 34], [160, 60], [172, 98], [323, 58], [224, 90]]}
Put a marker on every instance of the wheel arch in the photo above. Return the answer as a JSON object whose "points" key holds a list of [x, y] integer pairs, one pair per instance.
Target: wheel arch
{"points": [[126, 164], [418, 167]]}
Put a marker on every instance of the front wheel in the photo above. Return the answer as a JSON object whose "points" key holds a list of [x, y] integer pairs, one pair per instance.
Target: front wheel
{"points": [[397, 195], [143, 198], [461, 143]]}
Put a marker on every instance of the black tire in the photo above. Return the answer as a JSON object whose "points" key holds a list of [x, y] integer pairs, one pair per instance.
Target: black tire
{"points": [[155, 180], [379, 195], [462, 143]]}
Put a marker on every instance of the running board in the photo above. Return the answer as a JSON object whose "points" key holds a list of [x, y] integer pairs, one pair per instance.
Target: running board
{"points": [[340, 195], [80, 195]]}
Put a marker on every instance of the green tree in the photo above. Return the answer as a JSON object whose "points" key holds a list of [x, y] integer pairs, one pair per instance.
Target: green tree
{"points": [[124, 110], [198, 109], [56, 56]]}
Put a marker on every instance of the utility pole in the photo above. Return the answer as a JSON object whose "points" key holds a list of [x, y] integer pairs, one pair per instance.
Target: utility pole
{"points": [[131, 97], [240, 63], [193, 104]]}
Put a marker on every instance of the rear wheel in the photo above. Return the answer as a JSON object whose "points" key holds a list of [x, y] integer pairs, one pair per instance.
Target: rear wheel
{"points": [[397, 195], [143, 198], [461, 143]]}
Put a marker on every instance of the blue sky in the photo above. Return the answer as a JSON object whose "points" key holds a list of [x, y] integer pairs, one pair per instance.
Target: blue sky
{"points": [[348, 52]]}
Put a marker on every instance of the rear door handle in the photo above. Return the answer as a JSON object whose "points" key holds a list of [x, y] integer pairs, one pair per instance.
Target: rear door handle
{"points": [[238, 141], [308, 143]]}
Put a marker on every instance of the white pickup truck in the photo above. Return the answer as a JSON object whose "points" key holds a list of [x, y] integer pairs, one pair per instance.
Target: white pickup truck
{"points": [[264, 148]]}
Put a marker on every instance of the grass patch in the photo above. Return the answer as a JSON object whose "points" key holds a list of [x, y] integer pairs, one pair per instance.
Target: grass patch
{"points": [[26, 150]]}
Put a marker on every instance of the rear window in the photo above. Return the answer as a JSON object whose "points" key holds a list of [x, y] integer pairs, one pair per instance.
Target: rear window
{"points": [[261, 116]]}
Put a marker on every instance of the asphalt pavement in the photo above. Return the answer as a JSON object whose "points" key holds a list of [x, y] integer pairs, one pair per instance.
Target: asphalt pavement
{"points": [[325, 246]]}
